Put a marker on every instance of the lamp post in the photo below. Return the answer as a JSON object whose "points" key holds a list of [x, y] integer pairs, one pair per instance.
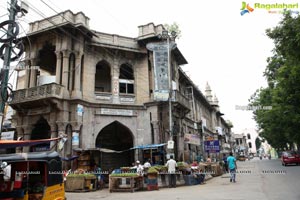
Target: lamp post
{"points": [[166, 36]]}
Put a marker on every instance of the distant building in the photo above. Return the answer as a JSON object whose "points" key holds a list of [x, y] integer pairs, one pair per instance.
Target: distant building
{"points": [[251, 135], [241, 146]]}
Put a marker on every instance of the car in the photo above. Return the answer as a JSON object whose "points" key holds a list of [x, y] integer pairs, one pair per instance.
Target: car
{"points": [[242, 158], [290, 157]]}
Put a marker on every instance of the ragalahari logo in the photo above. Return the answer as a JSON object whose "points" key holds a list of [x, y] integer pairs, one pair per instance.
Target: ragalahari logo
{"points": [[246, 8]]}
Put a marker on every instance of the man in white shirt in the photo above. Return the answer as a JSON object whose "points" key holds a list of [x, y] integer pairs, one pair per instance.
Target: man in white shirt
{"points": [[147, 164], [171, 164], [139, 168]]}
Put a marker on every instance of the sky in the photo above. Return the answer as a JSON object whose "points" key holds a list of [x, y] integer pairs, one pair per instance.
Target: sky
{"points": [[223, 48]]}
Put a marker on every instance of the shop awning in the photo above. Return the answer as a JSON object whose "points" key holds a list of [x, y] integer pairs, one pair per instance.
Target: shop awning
{"points": [[4, 144], [149, 146], [69, 159]]}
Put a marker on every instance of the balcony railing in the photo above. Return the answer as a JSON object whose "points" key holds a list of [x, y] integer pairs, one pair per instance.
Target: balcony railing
{"points": [[179, 98], [36, 93]]}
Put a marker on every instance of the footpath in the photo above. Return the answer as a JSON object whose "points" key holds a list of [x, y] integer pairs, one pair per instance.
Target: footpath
{"points": [[215, 188]]}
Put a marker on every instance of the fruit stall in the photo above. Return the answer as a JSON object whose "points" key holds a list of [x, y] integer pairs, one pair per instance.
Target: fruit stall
{"points": [[125, 182]]}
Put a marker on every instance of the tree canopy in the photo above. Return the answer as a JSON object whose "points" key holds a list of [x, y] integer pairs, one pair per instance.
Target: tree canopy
{"points": [[173, 28], [280, 124]]}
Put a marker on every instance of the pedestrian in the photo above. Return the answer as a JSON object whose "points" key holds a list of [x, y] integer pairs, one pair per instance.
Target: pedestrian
{"points": [[147, 164], [225, 163], [232, 167], [139, 168], [97, 171], [208, 160], [171, 164]]}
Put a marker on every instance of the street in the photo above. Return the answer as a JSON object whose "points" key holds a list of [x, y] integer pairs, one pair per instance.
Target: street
{"points": [[256, 179]]}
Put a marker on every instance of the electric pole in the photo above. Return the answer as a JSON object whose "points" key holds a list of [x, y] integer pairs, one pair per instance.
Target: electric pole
{"points": [[7, 57]]}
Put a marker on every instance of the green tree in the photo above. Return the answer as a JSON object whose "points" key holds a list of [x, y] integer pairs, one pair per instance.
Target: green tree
{"points": [[173, 28], [280, 125], [257, 143]]}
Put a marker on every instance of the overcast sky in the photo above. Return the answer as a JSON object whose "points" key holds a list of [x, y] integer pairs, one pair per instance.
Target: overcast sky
{"points": [[223, 48]]}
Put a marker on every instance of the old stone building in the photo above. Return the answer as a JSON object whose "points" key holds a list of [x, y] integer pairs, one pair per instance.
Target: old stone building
{"points": [[97, 90]]}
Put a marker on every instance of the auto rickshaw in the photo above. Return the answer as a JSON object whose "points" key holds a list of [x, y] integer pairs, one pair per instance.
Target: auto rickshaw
{"points": [[31, 176]]}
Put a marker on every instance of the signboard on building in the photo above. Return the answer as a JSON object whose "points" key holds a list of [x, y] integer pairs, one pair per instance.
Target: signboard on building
{"points": [[9, 135], [170, 144], [212, 146], [209, 138], [219, 130], [79, 110], [192, 139], [161, 71], [119, 112]]}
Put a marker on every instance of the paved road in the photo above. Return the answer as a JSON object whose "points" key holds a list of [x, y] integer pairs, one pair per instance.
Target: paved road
{"points": [[257, 179]]}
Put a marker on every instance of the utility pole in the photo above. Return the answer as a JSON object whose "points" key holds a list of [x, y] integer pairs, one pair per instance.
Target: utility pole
{"points": [[7, 59], [170, 91]]}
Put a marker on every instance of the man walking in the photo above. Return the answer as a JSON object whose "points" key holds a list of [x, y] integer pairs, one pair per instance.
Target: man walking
{"points": [[171, 164], [232, 166]]}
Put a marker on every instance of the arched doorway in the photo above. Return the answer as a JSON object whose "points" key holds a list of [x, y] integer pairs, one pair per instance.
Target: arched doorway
{"points": [[116, 137], [41, 130]]}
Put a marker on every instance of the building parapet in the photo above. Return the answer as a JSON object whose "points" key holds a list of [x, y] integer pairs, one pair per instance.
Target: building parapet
{"points": [[66, 17], [115, 41], [149, 30]]}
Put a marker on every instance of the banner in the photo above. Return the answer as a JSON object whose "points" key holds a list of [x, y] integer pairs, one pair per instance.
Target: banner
{"points": [[161, 71], [192, 139]]}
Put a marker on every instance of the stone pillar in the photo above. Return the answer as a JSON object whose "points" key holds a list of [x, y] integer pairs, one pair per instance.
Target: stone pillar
{"points": [[33, 74], [20, 134], [58, 67], [26, 136], [77, 93], [115, 73], [157, 135], [27, 73], [76, 130], [65, 75], [54, 134]]}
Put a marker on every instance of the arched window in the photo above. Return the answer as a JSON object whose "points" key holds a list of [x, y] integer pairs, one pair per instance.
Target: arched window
{"points": [[250, 145], [126, 79], [102, 77], [248, 136]]}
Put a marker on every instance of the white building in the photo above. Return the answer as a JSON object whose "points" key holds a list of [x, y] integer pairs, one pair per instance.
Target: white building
{"points": [[251, 135]]}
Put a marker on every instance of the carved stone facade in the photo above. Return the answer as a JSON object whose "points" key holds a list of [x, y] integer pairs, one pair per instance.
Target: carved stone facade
{"points": [[97, 90]]}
